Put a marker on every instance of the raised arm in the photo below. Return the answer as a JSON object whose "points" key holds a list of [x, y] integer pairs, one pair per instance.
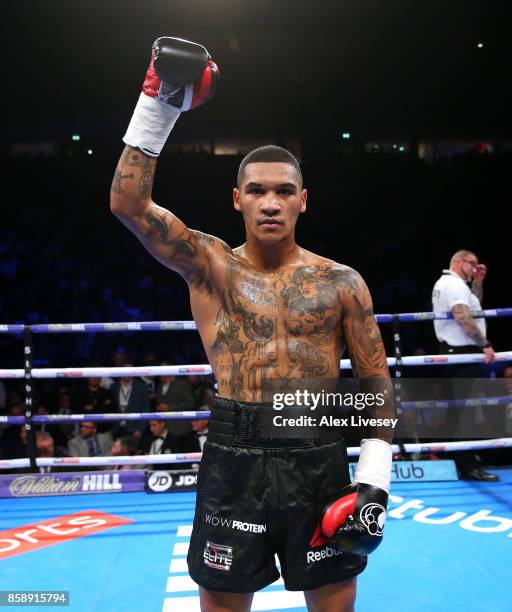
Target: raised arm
{"points": [[181, 76], [162, 233]]}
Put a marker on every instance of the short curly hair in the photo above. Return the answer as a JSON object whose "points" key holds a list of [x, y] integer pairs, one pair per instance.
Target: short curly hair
{"points": [[269, 154]]}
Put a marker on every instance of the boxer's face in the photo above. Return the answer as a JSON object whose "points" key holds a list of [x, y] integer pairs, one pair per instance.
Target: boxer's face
{"points": [[270, 199]]}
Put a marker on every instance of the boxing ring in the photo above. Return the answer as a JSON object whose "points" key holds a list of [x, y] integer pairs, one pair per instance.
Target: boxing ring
{"points": [[447, 544]]}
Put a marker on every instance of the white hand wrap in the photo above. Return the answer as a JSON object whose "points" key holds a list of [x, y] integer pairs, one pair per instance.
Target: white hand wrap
{"points": [[150, 126], [374, 465]]}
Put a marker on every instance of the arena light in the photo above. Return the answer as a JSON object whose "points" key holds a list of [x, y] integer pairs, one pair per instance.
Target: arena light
{"points": [[346, 135], [89, 151], [75, 137], [480, 45]]}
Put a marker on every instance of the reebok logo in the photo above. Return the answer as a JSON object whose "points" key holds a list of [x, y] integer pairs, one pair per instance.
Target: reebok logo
{"points": [[312, 556]]}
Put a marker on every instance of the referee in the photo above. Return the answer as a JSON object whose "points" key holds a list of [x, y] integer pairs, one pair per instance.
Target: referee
{"points": [[460, 290]]}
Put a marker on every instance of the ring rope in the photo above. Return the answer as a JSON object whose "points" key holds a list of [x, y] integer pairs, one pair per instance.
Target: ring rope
{"points": [[131, 326], [353, 451], [206, 369], [52, 419]]}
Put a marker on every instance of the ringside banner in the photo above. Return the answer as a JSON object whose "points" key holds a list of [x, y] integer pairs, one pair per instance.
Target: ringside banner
{"points": [[27, 538], [163, 481], [71, 483], [419, 471]]}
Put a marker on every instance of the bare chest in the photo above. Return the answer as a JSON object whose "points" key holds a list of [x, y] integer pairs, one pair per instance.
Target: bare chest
{"points": [[301, 303]]}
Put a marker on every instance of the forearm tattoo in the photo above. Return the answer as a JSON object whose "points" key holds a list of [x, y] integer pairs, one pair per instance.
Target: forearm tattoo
{"points": [[463, 316], [138, 172]]}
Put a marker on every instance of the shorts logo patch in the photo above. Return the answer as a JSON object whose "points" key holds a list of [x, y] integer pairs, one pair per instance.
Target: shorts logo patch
{"points": [[217, 521], [312, 556], [218, 556], [373, 517]]}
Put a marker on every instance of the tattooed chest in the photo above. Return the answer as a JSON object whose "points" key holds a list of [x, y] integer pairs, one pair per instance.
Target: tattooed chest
{"points": [[300, 305], [276, 327], [261, 312]]}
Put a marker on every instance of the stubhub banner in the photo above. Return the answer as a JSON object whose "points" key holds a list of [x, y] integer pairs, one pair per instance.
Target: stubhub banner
{"points": [[419, 471]]}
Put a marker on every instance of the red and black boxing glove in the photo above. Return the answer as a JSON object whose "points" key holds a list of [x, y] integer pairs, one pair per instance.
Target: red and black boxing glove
{"points": [[355, 522], [180, 77], [181, 73]]}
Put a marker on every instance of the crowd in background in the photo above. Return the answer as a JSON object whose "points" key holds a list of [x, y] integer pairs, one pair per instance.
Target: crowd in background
{"points": [[65, 258], [96, 396]]}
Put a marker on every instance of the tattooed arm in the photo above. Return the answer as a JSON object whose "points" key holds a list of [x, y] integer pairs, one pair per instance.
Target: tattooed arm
{"points": [[462, 315], [162, 233], [366, 351]]}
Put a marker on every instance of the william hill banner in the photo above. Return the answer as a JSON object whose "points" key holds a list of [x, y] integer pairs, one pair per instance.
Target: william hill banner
{"points": [[71, 483]]}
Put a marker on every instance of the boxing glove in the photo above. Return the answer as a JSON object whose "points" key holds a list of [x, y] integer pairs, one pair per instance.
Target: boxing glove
{"points": [[181, 73], [181, 76], [355, 522]]}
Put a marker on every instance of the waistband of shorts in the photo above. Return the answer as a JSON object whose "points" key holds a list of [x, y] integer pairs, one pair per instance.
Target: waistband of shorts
{"points": [[234, 422]]}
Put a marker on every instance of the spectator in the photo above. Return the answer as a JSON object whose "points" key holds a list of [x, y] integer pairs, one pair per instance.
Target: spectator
{"points": [[196, 441], [174, 394], [200, 428], [158, 441], [119, 359], [63, 432], [130, 395], [126, 446], [46, 450], [150, 360], [90, 443], [91, 398]]}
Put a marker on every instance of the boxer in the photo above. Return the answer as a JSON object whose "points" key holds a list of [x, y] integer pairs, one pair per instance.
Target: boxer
{"points": [[268, 309]]}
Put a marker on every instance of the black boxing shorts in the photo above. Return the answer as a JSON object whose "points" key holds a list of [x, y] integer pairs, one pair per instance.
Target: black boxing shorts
{"points": [[258, 497]]}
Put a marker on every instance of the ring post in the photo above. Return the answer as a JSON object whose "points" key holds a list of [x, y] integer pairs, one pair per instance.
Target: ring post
{"points": [[28, 350], [397, 344]]}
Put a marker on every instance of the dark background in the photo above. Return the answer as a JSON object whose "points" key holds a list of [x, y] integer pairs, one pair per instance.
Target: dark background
{"points": [[291, 72]]}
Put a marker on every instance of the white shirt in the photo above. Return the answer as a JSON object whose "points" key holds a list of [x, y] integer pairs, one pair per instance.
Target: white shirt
{"points": [[448, 291], [201, 437]]}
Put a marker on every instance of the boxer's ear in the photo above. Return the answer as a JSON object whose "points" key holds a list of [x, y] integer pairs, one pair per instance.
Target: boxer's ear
{"points": [[304, 199], [236, 199]]}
